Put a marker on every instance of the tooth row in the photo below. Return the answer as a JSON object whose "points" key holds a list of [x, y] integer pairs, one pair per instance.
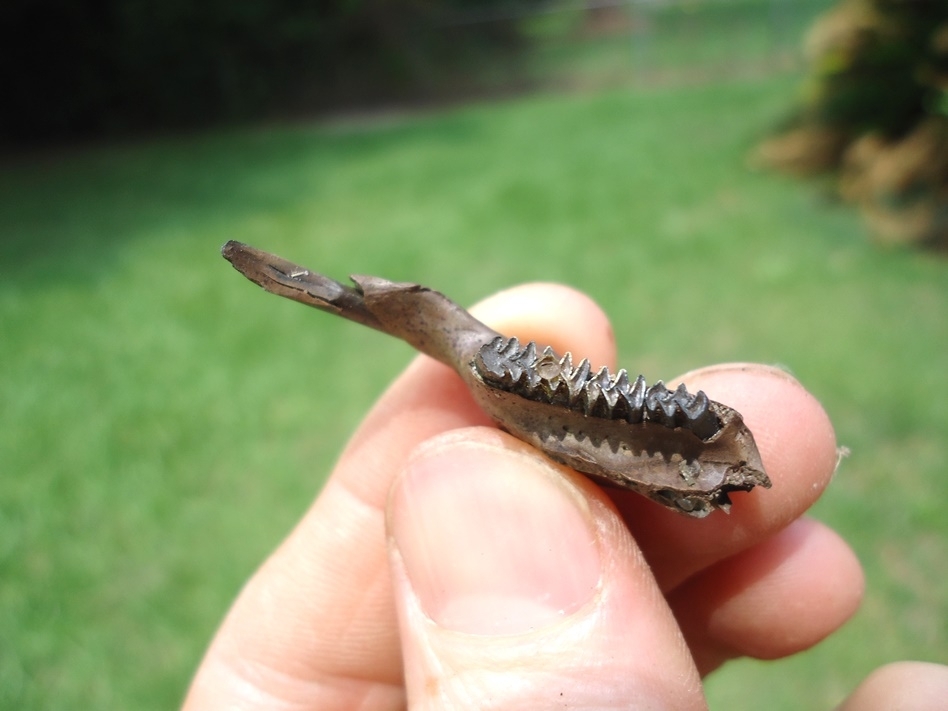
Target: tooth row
{"points": [[504, 364]]}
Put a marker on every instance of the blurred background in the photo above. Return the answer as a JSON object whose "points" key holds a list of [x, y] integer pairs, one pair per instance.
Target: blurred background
{"points": [[165, 423]]}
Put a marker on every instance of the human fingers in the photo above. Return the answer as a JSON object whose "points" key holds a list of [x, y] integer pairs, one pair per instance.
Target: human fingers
{"points": [[315, 626], [759, 582], [775, 599], [798, 448], [907, 686], [519, 587]]}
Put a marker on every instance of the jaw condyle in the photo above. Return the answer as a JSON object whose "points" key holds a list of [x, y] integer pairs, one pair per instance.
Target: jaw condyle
{"points": [[680, 449]]}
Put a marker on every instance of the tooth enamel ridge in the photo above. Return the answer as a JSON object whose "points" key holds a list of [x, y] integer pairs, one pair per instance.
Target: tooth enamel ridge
{"points": [[544, 377]]}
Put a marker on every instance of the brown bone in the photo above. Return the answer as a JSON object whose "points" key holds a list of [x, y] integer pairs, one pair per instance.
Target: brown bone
{"points": [[684, 451]]}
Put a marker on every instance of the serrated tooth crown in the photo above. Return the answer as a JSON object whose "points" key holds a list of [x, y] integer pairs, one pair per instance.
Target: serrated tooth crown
{"points": [[528, 356], [503, 364], [578, 379], [512, 349]]}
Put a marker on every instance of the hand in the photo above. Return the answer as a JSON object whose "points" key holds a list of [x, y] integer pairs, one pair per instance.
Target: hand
{"points": [[447, 565]]}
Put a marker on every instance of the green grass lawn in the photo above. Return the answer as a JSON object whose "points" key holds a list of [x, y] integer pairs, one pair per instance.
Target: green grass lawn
{"points": [[165, 422]]}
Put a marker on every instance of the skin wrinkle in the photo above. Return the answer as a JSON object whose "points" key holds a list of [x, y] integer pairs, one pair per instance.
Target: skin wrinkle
{"points": [[297, 694], [587, 643], [462, 670], [245, 679], [342, 651], [365, 604], [266, 686]]}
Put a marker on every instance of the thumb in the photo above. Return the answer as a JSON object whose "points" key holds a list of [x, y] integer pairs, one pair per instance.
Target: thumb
{"points": [[519, 587]]}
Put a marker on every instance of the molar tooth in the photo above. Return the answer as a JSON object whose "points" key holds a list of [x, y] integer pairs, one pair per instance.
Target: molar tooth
{"points": [[598, 395], [656, 391], [611, 397], [603, 379], [698, 406], [489, 363], [592, 398], [547, 367], [548, 386], [691, 405], [581, 373], [566, 364], [528, 381], [560, 395], [682, 400], [635, 397], [528, 356], [660, 405], [513, 373], [512, 349], [693, 412], [607, 386], [701, 420], [619, 396], [578, 379]]}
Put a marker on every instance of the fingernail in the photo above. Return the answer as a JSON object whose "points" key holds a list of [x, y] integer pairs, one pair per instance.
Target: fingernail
{"points": [[493, 541]]}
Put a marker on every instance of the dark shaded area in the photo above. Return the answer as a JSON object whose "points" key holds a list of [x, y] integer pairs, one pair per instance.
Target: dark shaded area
{"points": [[77, 69], [876, 114], [881, 65]]}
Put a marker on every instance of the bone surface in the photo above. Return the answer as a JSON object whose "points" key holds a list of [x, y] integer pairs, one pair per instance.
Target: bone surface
{"points": [[681, 450]]}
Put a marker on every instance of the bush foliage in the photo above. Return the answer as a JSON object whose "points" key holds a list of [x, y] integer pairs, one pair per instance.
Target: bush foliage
{"points": [[876, 112]]}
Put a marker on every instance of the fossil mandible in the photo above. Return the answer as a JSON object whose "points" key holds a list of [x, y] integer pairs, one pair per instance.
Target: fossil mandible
{"points": [[683, 451]]}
